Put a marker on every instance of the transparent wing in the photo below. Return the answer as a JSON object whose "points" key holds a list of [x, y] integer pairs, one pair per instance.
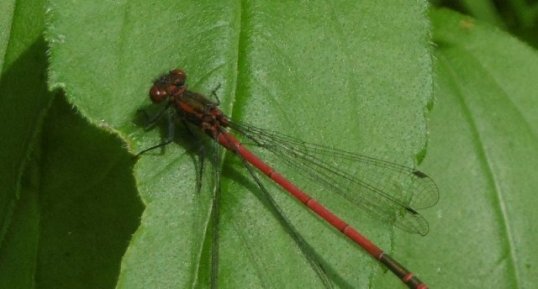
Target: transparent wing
{"points": [[387, 191]]}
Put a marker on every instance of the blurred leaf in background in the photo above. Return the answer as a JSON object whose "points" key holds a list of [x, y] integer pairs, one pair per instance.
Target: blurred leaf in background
{"points": [[519, 17], [484, 155]]}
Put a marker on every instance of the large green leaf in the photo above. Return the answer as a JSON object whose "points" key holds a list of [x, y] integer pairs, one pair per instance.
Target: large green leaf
{"points": [[351, 75], [67, 201], [327, 74], [484, 156]]}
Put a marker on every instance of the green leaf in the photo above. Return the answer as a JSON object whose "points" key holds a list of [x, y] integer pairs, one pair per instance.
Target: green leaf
{"points": [[484, 155], [330, 76], [77, 210], [67, 201], [484, 10], [23, 96], [351, 75]]}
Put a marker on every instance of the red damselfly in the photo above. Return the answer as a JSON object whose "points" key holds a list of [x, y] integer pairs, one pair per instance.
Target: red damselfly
{"points": [[368, 188]]}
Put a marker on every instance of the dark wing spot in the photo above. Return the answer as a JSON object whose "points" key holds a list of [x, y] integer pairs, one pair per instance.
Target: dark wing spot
{"points": [[411, 210], [420, 174]]}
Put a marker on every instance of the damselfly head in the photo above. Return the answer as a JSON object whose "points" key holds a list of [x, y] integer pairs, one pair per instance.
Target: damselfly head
{"points": [[170, 84]]}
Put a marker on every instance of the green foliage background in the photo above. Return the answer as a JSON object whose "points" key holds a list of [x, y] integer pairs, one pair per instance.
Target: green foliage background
{"points": [[397, 80]]}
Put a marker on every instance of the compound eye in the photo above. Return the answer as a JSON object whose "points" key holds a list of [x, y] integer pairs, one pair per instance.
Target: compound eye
{"points": [[157, 94], [177, 77]]}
